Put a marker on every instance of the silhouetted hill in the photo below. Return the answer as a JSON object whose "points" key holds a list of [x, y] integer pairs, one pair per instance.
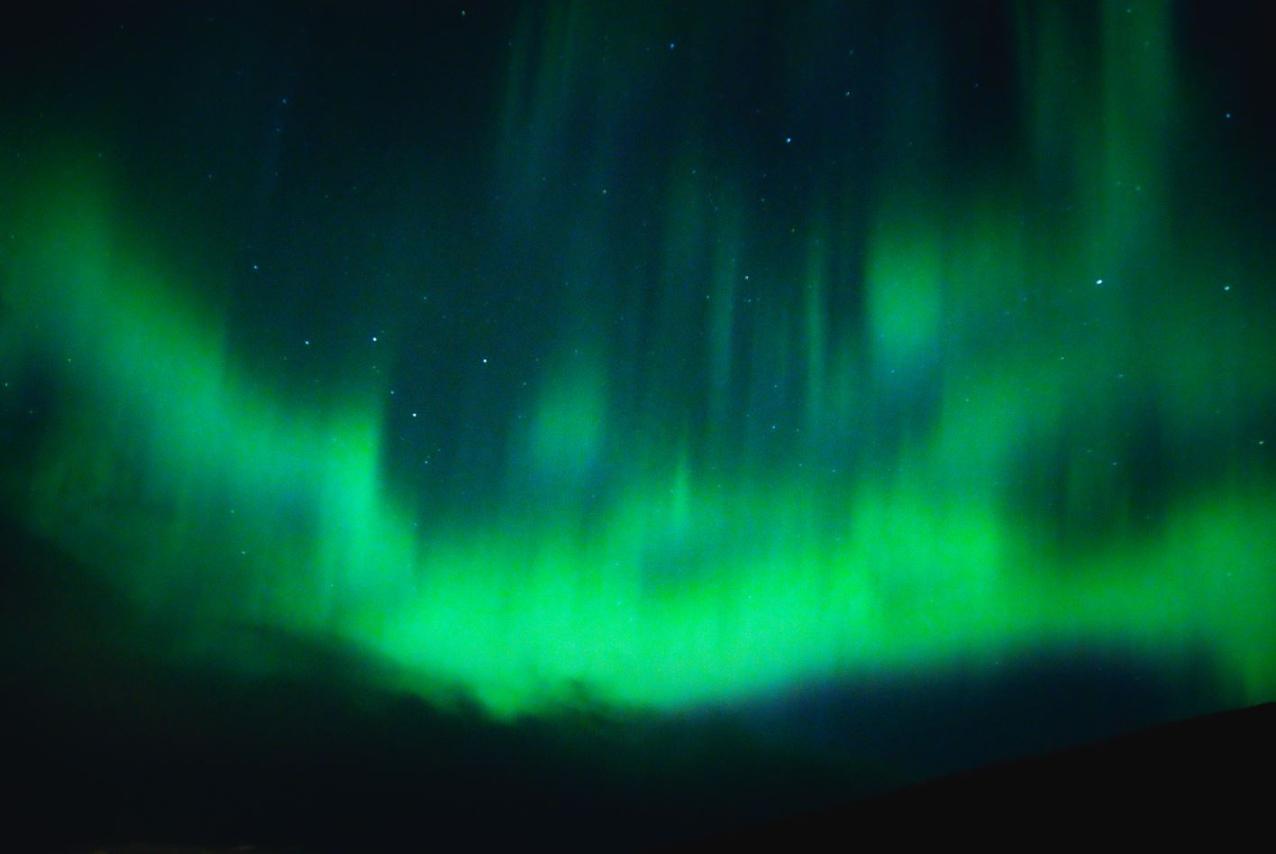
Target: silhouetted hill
{"points": [[1211, 774]]}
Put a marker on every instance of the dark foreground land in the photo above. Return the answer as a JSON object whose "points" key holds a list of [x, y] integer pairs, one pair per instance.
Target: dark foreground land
{"points": [[1209, 775]]}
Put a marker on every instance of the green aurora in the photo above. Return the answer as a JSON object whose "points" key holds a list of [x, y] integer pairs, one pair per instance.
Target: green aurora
{"points": [[898, 416]]}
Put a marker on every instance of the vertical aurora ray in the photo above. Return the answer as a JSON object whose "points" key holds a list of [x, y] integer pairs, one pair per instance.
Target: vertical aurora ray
{"points": [[771, 435]]}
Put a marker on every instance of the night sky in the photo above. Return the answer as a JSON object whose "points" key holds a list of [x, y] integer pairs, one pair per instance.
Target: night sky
{"points": [[753, 359]]}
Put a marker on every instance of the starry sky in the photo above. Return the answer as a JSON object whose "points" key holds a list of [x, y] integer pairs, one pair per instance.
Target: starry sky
{"points": [[652, 357]]}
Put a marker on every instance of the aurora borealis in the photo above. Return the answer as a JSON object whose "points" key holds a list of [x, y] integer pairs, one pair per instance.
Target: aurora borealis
{"points": [[661, 357]]}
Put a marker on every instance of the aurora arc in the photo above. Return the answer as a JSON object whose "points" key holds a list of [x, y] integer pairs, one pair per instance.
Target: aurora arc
{"points": [[179, 470]]}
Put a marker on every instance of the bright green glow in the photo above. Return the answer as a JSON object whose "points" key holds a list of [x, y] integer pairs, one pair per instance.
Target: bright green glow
{"points": [[996, 380], [774, 582]]}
